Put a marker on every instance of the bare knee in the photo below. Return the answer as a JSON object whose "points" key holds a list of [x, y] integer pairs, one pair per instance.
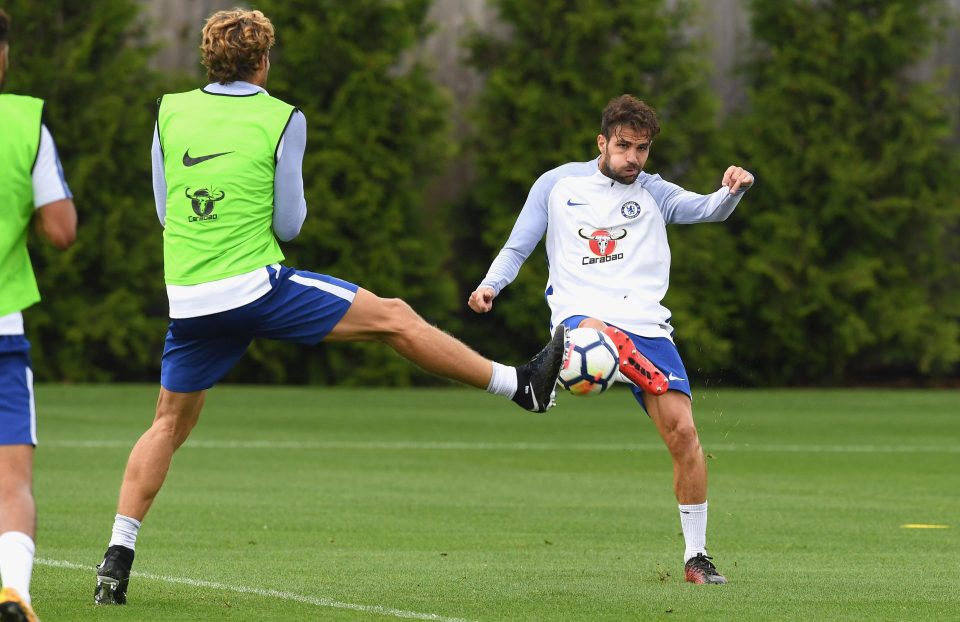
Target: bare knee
{"points": [[371, 318], [15, 488], [173, 423], [16, 468], [398, 320], [682, 441], [172, 431], [17, 509]]}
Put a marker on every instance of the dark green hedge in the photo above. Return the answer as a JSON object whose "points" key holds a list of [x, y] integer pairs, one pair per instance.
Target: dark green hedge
{"points": [[840, 266], [103, 308], [376, 137], [849, 245]]}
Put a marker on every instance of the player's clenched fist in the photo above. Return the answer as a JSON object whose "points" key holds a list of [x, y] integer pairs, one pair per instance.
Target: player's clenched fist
{"points": [[481, 300], [736, 178]]}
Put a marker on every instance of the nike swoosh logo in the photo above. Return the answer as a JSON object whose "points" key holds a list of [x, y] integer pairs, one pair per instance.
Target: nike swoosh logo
{"points": [[533, 396], [572, 203], [188, 161], [671, 377]]}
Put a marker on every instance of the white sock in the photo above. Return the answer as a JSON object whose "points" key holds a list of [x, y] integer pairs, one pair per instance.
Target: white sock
{"points": [[125, 532], [16, 562], [693, 521], [503, 381]]}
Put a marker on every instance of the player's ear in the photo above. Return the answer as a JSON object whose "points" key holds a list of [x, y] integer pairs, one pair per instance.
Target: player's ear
{"points": [[601, 142]]}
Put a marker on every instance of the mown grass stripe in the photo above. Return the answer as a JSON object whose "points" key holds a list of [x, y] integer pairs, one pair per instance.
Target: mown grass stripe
{"points": [[481, 446]]}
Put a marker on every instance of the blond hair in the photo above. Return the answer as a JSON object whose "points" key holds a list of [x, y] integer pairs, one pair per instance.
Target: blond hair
{"points": [[233, 43]]}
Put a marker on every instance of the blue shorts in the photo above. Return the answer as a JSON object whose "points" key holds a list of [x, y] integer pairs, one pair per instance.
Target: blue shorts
{"points": [[18, 414], [301, 306], [661, 351]]}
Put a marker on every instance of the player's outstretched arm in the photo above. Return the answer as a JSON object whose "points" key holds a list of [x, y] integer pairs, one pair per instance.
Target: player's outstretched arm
{"points": [[481, 300], [736, 178], [57, 222]]}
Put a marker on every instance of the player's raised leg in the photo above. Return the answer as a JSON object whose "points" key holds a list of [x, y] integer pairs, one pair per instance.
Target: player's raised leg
{"points": [[633, 365], [147, 467], [393, 322], [672, 413]]}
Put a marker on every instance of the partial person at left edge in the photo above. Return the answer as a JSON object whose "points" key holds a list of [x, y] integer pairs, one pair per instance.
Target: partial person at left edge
{"points": [[32, 188]]}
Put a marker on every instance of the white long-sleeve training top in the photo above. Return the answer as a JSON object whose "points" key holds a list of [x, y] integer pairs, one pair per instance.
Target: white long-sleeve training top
{"points": [[606, 243]]}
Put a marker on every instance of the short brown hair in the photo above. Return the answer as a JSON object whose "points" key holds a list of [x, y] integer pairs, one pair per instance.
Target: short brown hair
{"points": [[233, 43], [4, 27], [632, 112]]}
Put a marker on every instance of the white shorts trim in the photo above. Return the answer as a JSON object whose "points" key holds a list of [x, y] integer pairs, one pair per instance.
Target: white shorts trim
{"points": [[33, 407], [330, 288]]}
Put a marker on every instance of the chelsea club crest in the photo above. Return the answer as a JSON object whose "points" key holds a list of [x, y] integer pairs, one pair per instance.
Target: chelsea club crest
{"points": [[630, 209]]}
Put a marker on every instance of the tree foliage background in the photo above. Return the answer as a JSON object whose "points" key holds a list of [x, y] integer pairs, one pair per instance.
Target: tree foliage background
{"points": [[102, 316], [376, 136], [849, 248], [841, 266]]}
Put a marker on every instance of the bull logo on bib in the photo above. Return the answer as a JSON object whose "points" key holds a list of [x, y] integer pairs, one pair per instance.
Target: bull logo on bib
{"points": [[202, 201]]}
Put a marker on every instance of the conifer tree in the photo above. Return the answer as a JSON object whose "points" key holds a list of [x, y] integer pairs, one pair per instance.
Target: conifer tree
{"points": [[849, 240], [104, 310], [376, 137]]}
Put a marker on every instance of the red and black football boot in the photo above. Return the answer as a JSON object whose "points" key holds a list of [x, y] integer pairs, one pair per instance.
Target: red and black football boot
{"points": [[636, 367], [700, 570]]}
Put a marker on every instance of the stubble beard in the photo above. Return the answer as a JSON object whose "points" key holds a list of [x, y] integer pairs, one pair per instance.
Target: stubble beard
{"points": [[614, 175]]}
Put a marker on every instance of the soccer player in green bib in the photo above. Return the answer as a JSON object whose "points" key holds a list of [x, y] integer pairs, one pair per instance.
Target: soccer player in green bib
{"points": [[228, 184], [32, 189]]}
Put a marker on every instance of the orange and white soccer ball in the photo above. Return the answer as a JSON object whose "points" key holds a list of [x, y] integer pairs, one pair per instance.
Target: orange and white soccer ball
{"points": [[590, 362]]}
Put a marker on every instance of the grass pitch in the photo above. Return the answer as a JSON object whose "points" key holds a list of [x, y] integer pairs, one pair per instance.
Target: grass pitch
{"points": [[450, 504]]}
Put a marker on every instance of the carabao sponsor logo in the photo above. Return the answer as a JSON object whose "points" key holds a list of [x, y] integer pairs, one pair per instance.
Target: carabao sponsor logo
{"points": [[202, 201]]}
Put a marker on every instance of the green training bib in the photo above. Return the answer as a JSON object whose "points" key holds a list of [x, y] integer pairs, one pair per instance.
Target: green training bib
{"points": [[20, 119], [219, 160]]}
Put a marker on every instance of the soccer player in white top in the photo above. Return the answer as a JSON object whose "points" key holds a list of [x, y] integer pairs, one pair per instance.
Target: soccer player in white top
{"points": [[605, 222], [32, 190]]}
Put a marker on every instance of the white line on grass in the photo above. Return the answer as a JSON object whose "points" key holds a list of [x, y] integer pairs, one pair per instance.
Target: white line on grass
{"points": [[463, 446], [319, 601]]}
